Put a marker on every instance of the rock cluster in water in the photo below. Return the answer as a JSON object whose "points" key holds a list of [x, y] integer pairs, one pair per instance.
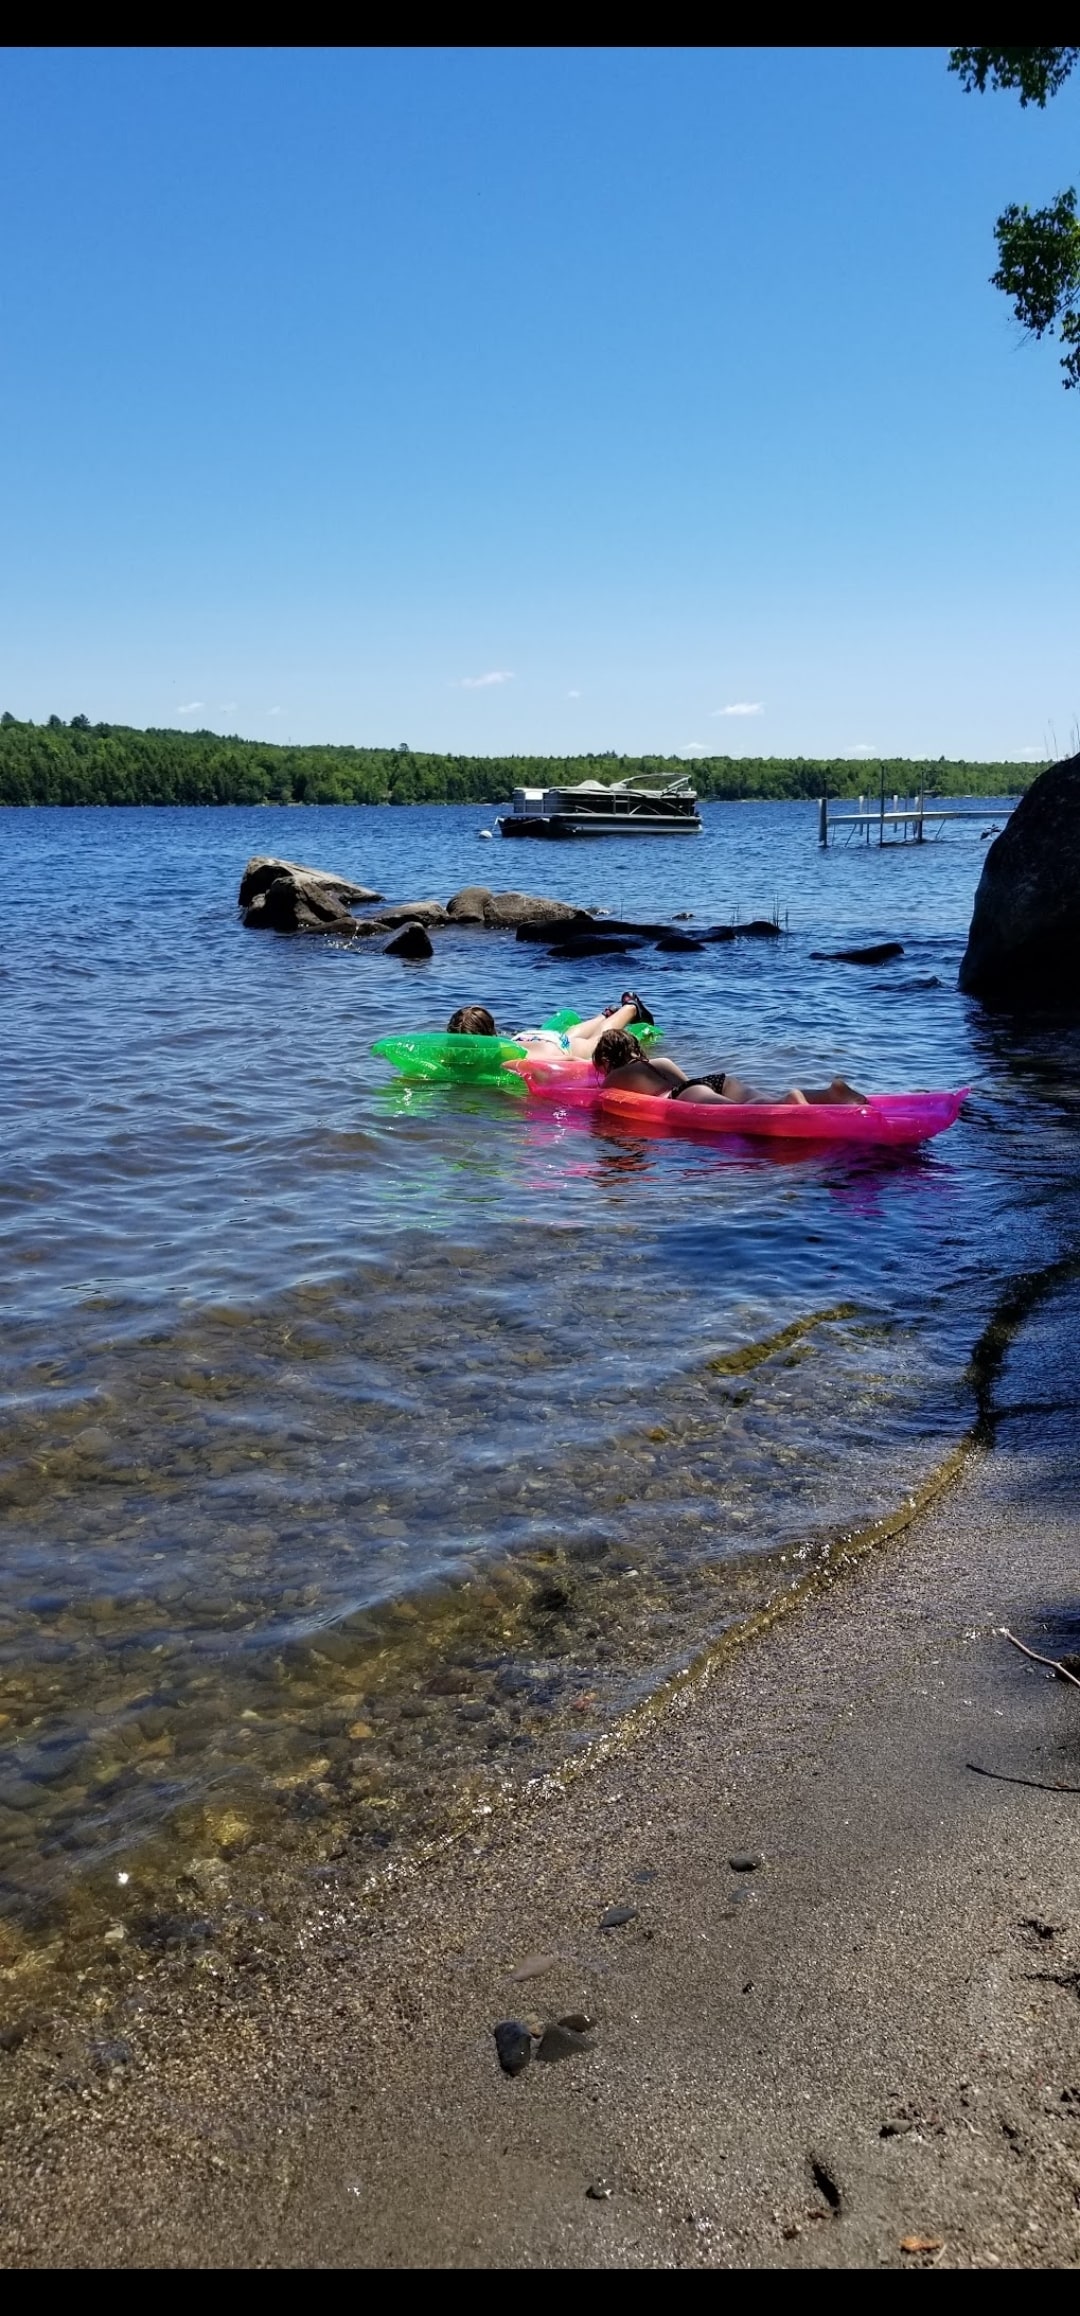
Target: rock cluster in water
{"points": [[281, 896]]}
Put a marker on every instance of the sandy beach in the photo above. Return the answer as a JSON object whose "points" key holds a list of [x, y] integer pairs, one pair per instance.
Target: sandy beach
{"points": [[869, 2039]]}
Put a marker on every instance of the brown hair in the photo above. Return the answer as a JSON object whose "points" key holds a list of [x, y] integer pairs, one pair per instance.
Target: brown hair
{"points": [[471, 1021], [614, 1050]]}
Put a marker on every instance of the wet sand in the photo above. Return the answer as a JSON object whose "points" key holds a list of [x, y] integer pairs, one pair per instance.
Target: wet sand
{"points": [[873, 2035]]}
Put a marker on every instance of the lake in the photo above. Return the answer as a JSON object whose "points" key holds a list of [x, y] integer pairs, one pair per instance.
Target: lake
{"points": [[367, 1446]]}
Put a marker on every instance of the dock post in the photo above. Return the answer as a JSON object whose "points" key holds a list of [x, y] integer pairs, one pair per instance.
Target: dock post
{"points": [[823, 820], [920, 800]]}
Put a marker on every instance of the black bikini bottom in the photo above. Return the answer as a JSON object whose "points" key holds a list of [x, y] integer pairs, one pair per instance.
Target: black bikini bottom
{"points": [[715, 1078]]}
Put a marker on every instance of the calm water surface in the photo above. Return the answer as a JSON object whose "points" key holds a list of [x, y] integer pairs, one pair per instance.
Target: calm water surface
{"points": [[360, 1442]]}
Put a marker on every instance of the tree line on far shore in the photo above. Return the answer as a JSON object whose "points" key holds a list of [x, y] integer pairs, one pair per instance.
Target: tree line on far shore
{"points": [[84, 763]]}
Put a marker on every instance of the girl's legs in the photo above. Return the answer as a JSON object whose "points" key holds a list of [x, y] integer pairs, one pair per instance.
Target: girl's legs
{"points": [[838, 1093], [586, 1035]]}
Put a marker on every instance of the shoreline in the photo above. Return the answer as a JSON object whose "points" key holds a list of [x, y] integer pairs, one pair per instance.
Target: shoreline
{"points": [[890, 1997], [225, 1849]]}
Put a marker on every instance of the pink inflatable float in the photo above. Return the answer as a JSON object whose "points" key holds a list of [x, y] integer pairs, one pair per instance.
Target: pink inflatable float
{"points": [[882, 1118]]}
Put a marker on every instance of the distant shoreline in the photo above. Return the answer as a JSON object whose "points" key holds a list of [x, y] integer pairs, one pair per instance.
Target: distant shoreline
{"points": [[114, 764]]}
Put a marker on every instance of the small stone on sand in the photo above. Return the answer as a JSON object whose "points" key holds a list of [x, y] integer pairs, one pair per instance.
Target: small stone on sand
{"points": [[513, 2043], [533, 1967], [561, 2042]]}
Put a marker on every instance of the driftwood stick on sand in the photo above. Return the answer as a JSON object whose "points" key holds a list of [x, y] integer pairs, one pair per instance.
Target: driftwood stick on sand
{"points": [[1054, 1663], [1005, 1777]]}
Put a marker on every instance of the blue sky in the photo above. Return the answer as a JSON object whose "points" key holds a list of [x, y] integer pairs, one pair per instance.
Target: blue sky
{"points": [[509, 399]]}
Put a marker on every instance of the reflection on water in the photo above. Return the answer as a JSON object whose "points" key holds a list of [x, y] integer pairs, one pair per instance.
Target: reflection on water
{"points": [[359, 1439]]}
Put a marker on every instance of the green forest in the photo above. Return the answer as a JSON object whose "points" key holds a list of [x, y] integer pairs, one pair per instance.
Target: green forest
{"points": [[84, 763]]}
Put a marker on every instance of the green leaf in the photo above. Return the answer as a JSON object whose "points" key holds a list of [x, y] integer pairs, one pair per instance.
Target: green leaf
{"points": [[1036, 73]]}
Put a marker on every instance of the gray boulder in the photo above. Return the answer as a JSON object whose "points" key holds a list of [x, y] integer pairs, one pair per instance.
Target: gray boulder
{"points": [[1024, 944], [467, 906], [299, 904], [263, 871], [478, 905], [511, 909], [414, 913]]}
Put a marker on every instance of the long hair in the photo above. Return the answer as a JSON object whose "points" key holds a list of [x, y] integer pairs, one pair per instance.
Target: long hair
{"points": [[471, 1021], [614, 1050]]}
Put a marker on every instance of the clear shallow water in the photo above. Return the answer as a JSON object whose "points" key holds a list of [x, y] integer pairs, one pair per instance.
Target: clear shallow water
{"points": [[357, 1440]]}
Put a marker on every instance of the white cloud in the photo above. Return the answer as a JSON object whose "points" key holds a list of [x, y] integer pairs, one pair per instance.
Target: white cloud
{"points": [[273, 711], [693, 748], [862, 748], [497, 675], [1036, 754], [191, 708], [573, 695], [227, 704], [741, 708]]}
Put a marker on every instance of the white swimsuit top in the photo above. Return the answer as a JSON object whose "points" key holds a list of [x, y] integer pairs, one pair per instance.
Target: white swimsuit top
{"points": [[553, 1037]]}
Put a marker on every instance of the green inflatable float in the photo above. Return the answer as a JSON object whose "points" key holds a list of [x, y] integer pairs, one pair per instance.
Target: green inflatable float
{"points": [[450, 1057]]}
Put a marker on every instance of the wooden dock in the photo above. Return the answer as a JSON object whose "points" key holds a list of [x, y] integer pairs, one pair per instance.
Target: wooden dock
{"points": [[914, 823]]}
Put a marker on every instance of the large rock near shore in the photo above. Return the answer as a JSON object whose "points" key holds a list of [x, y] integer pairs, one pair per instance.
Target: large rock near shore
{"points": [[263, 871], [1024, 945]]}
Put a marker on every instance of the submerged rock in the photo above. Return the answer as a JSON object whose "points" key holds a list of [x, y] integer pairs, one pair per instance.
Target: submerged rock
{"points": [[109, 2052], [597, 945], [413, 942], [1023, 948], [877, 953]]}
